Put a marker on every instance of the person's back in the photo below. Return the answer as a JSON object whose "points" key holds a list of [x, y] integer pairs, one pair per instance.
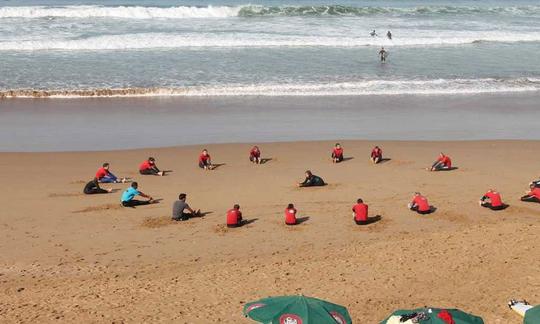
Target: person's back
{"points": [[129, 194], [422, 203], [178, 209], [234, 216], [360, 212], [494, 198], [445, 159], [101, 173], [290, 215]]}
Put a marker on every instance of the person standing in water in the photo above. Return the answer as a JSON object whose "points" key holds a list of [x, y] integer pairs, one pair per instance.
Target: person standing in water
{"points": [[389, 35], [373, 33], [383, 54]]}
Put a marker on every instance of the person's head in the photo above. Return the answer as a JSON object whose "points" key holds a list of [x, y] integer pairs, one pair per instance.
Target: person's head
{"points": [[134, 185], [151, 160], [417, 193], [256, 148], [205, 152], [290, 206], [106, 166], [308, 173], [359, 201], [382, 48], [182, 196], [376, 147], [338, 145], [236, 206]]}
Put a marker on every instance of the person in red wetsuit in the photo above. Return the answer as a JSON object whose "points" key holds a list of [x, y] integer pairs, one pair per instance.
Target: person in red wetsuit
{"points": [[104, 175], [337, 153], [360, 212], [443, 163], [376, 155], [234, 216], [205, 161], [492, 200], [420, 204], [149, 167], [533, 195], [290, 215], [255, 155]]}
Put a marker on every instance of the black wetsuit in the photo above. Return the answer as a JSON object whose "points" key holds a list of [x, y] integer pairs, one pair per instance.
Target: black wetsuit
{"points": [[92, 188], [313, 181]]}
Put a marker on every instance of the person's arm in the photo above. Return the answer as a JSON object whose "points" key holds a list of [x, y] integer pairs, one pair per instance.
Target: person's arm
{"points": [[189, 209], [142, 194]]}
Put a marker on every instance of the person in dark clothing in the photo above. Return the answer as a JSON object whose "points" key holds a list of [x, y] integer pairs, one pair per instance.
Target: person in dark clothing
{"points": [[312, 180], [92, 188], [180, 206], [389, 35]]}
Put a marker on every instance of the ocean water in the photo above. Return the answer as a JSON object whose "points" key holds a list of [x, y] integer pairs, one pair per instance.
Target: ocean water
{"points": [[267, 48]]}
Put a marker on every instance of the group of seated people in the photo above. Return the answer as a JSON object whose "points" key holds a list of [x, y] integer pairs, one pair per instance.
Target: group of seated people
{"points": [[182, 211], [337, 154]]}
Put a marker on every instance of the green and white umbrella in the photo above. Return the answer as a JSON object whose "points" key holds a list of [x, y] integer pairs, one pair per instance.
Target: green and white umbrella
{"points": [[296, 310], [532, 315], [432, 316]]}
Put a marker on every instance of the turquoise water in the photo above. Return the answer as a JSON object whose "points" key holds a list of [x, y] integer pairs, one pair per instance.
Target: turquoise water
{"points": [[269, 48]]}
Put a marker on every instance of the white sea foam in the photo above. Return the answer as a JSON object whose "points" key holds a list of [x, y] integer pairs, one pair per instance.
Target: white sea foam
{"points": [[246, 40], [359, 88], [180, 12]]}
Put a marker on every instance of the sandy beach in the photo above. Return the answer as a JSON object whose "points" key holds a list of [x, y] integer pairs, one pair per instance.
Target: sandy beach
{"points": [[66, 257]]}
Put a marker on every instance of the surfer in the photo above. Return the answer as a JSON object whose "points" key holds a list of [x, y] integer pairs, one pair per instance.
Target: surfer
{"points": [[383, 54], [130, 193], [205, 161], [337, 153], [234, 217], [373, 33], [255, 155], [420, 204], [442, 163], [376, 155], [149, 167], [312, 180], [533, 195], [389, 35]]}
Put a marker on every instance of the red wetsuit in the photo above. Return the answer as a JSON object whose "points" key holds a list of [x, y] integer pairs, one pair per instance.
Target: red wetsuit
{"points": [[290, 216], [234, 217], [445, 160], [101, 173], [422, 203], [338, 152], [360, 212], [146, 165], [495, 198]]}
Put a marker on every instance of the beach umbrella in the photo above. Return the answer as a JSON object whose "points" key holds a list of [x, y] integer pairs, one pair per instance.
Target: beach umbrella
{"points": [[432, 316], [532, 315], [296, 310]]}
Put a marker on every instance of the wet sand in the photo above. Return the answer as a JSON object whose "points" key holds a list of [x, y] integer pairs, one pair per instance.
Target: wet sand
{"points": [[96, 124], [66, 257]]}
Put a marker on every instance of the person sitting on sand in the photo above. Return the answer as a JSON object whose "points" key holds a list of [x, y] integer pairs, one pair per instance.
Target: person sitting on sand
{"points": [[92, 188], [130, 193], [149, 167], [376, 155], [443, 163], [180, 206], [205, 161], [290, 215], [492, 200], [420, 204], [104, 175], [255, 155], [360, 212], [234, 217], [533, 195], [337, 153], [312, 180]]}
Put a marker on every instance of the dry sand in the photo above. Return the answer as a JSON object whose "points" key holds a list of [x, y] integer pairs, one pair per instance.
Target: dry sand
{"points": [[66, 257]]}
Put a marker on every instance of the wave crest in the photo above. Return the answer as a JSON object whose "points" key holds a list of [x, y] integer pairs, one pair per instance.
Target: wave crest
{"points": [[358, 88], [181, 12]]}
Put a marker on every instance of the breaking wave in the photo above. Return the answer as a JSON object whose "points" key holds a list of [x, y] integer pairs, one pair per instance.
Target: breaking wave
{"points": [[181, 12], [359, 88]]}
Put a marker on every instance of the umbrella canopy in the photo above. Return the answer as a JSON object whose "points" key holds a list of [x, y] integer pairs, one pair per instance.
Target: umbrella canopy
{"points": [[434, 316], [296, 310], [532, 316]]}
